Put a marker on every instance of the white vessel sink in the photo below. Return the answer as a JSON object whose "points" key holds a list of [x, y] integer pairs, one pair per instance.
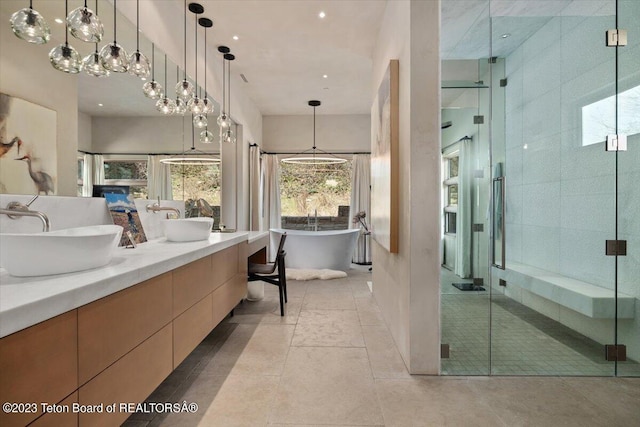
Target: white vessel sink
{"points": [[187, 229], [57, 252]]}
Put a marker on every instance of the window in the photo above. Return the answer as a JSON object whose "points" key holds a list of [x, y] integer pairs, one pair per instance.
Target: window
{"points": [[307, 189], [80, 176], [193, 182], [129, 172], [450, 187], [598, 118]]}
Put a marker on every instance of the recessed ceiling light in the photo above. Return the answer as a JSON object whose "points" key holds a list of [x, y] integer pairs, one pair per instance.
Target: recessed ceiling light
{"points": [[324, 76], [100, 105], [505, 35], [58, 20], [525, 146], [236, 37], [322, 15]]}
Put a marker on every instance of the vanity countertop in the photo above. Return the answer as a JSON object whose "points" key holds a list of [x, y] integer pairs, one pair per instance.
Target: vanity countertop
{"points": [[25, 301]]}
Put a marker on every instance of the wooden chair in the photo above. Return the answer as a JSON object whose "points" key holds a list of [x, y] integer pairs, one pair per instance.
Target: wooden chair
{"points": [[267, 273]]}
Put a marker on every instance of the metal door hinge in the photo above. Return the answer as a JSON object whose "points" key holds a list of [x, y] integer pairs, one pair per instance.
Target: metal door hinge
{"points": [[478, 120], [616, 142], [444, 351], [503, 82], [613, 353], [477, 227], [616, 247], [616, 38], [502, 282]]}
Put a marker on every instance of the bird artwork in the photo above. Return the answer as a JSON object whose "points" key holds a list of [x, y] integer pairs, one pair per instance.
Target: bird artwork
{"points": [[42, 180], [6, 147]]}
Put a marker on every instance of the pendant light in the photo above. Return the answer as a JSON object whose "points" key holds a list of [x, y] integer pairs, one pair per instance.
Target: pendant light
{"points": [[208, 107], [228, 135], [223, 118], [165, 105], [184, 89], [195, 103], [28, 25], [113, 56], [181, 106], [91, 63], [85, 25], [311, 157], [138, 63], [64, 57], [153, 89], [206, 136], [191, 157]]}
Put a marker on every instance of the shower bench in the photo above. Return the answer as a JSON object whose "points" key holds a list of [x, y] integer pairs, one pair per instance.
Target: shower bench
{"points": [[585, 298]]}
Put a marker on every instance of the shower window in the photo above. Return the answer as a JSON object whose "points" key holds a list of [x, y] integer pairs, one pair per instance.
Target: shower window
{"points": [[451, 194]]}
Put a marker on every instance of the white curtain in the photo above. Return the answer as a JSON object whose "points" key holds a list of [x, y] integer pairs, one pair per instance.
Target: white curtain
{"points": [[463, 217], [361, 202], [254, 187], [98, 170], [270, 187], [87, 175], [158, 179]]}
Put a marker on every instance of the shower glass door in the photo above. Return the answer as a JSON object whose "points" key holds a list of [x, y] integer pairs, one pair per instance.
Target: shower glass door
{"points": [[553, 304], [628, 203]]}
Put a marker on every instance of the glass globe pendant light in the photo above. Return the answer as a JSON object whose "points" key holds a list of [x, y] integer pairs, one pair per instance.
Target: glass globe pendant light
{"points": [[28, 25], [113, 56], [91, 63], [184, 89], [195, 104], [181, 106], [223, 118], [153, 89], [138, 63], [64, 57], [207, 137], [165, 105], [207, 103], [85, 25], [227, 134]]}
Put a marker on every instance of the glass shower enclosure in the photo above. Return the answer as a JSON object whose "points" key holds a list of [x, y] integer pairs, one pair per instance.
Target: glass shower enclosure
{"points": [[540, 271]]}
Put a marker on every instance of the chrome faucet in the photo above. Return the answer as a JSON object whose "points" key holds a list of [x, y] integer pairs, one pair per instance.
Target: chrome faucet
{"points": [[16, 210], [155, 208]]}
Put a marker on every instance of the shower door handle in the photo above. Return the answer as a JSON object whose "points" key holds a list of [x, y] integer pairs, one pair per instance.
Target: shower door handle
{"points": [[498, 219]]}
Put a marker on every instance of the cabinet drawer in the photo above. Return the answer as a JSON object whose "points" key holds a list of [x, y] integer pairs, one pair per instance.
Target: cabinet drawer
{"points": [[130, 379], [39, 364], [227, 296], [224, 265], [190, 284], [190, 328], [63, 419], [112, 326]]}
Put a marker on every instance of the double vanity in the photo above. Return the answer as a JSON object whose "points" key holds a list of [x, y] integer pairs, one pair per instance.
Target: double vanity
{"points": [[111, 335]]}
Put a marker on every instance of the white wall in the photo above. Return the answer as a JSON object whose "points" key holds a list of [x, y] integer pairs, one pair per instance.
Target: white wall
{"points": [[25, 72], [406, 284], [84, 131], [349, 132]]}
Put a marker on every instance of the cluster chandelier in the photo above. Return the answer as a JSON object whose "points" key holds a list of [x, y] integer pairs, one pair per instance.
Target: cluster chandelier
{"points": [[315, 156]]}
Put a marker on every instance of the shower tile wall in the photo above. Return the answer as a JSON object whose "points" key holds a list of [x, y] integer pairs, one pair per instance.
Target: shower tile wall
{"points": [[560, 194]]}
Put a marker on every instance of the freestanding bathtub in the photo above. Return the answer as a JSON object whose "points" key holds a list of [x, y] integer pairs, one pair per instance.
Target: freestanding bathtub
{"points": [[332, 249]]}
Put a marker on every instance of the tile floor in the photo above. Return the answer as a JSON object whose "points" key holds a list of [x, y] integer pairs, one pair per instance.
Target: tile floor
{"points": [[332, 362]]}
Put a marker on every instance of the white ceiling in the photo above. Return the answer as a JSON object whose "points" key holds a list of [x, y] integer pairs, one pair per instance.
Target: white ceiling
{"points": [[284, 48]]}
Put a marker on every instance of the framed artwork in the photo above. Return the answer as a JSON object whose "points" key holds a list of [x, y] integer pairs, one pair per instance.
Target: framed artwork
{"points": [[385, 118], [124, 213], [28, 151]]}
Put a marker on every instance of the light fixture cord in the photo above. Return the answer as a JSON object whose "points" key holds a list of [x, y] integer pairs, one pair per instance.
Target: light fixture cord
{"points": [[138, 27], [185, 39], [229, 83], [153, 63], [193, 135], [114, 22], [31, 4], [85, 4], [196, 38], [165, 72], [66, 25], [205, 62], [224, 86]]}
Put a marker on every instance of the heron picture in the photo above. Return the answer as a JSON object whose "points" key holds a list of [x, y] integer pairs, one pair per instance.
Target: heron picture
{"points": [[28, 160]]}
